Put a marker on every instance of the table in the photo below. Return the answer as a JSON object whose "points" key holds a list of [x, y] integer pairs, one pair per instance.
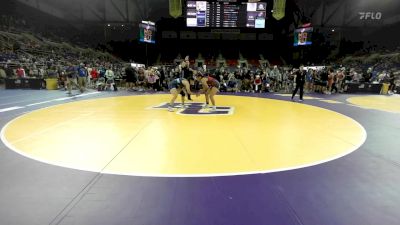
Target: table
{"points": [[363, 88], [25, 83]]}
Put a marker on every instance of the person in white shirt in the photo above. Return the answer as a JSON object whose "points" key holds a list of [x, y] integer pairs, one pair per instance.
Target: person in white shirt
{"points": [[110, 79], [109, 74], [89, 77]]}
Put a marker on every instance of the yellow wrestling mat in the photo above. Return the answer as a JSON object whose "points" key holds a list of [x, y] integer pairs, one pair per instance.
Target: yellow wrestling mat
{"points": [[129, 135], [379, 102]]}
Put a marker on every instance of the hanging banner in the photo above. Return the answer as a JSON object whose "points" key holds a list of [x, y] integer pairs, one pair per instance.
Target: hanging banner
{"points": [[279, 9], [175, 8]]}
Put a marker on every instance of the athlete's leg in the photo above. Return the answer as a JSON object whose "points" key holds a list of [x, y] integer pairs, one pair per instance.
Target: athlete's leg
{"points": [[207, 95], [174, 93], [213, 92]]}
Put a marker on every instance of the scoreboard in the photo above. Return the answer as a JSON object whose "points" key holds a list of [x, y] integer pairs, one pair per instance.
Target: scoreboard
{"points": [[147, 32], [225, 13], [303, 36]]}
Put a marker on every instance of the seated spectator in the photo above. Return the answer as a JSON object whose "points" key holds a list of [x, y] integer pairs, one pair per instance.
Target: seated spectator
{"points": [[232, 83], [257, 84], [246, 83], [238, 77], [62, 81], [356, 78], [266, 83], [141, 81], [222, 81], [152, 80], [101, 84], [9, 71]]}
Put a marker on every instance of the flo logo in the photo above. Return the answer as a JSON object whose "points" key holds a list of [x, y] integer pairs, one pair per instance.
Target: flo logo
{"points": [[370, 15], [197, 109]]}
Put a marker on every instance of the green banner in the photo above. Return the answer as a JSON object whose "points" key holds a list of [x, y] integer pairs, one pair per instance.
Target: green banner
{"points": [[279, 9], [175, 8]]}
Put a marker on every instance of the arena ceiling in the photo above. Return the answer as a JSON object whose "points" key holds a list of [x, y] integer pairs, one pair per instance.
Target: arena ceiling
{"points": [[109, 11], [339, 13], [349, 13]]}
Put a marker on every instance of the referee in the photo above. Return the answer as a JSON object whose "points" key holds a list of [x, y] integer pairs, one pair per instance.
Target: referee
{"points": [[186, 73], [300, 80]]}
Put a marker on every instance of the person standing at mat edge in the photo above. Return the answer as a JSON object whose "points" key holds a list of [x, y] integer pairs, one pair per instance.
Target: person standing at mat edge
{"points": [[300, 80], [71, 72]]}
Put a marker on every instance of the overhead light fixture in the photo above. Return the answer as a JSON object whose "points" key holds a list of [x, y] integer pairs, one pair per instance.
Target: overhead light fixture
{"points": [[148, 22]]}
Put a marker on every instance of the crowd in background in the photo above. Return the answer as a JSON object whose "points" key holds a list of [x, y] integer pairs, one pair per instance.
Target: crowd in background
{"points": [[319, 79], [109, 76], [28, 55]]}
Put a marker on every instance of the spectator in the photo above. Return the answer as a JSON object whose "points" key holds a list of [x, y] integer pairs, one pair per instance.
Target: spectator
{"points": [[246, 83], [257, 84], [162, 75], [232, 83], [131, 78], [266, 82], [356, 77], [392, 84], [82, 78], [340, 80], [324, 80], [94, 75], [9, 71], [110, 79], [152, 80], [3, 75], [109, 74], [89, 76], [20, 72], [102, 72], [309, 80], [71, 78], [331, 76], [141, 79]]}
